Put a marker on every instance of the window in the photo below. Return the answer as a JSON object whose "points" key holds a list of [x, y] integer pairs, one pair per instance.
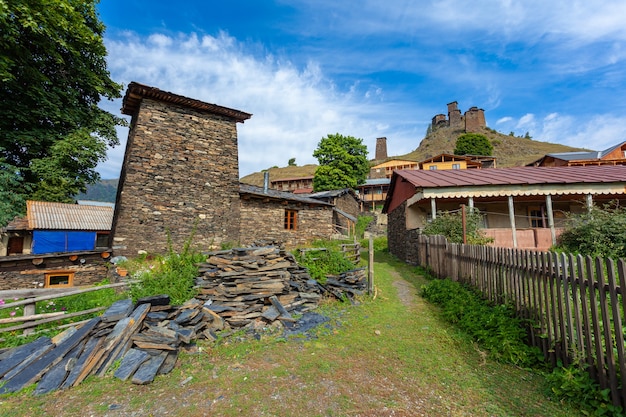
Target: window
{"points": [[59, 279], [536, 216], [456, 166], [102, 240], [291, 220], [433, 167]]}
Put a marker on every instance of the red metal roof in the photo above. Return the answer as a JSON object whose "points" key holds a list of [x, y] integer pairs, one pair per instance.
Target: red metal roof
{"points": [[515, 176], [60, 216]]}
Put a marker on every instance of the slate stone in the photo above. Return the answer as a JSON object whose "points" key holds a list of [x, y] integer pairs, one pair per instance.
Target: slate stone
{"points": [[33, 357], [53, 379], [186, 335], [169, 363], [186, 316], [33, 372], [155, 300], [19, 354], [157, 315], [119, 310], [84, 355], [133, 359], [148, 370]]}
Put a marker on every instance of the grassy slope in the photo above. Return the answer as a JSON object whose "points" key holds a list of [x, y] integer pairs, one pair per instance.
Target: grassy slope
{"points": [[509, 151], [378, 359]]}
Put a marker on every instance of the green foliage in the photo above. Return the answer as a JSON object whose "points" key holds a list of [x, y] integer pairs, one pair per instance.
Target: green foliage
{"points": [[12, 204], [361, 225], [473, 144], [322, 262], [342, 163], [292, 162], [450, 225], [53, 74], [172, 274], [574, 385], [493, 327], [599, 232]]}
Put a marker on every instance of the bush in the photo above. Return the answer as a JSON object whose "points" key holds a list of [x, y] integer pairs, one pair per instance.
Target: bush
{"points": [[450, 225], [323, 262], [599, 232]]}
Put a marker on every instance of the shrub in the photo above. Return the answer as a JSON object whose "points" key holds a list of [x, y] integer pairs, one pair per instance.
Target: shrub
{"points": [[599, 232], [323, 262], [450, 225]]}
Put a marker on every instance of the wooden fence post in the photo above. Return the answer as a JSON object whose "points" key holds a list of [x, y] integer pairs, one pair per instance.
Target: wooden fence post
{"points": [[370, 269]]}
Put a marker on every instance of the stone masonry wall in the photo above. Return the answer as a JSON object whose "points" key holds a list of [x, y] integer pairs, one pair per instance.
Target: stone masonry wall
{"points": [[266, 220], [401, 242], [474, 120], [348, 204], [180, 179], [20, 272]]}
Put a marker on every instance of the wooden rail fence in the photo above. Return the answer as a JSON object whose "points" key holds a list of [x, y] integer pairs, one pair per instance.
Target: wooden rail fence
{"points": [[573, 305]]}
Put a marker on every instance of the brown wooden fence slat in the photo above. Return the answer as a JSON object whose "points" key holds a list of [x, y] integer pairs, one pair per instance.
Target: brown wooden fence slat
{"points": [[617, 328], [578, 347], [595, 322], [606, 327]]}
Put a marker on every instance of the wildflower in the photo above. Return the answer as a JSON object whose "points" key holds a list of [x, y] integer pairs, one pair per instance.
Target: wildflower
{"points": [[1, 302], [12, 313]]}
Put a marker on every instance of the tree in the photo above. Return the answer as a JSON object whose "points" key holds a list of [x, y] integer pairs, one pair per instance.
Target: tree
{"points": [[53, 74], [292, 162], [342, 163], [473, 144]]}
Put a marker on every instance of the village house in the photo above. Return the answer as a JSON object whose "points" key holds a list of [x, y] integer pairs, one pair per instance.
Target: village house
{"points": [[450, 161], [180, 182], [615, 155], [56, 245], [346, 208], [522, 207]]}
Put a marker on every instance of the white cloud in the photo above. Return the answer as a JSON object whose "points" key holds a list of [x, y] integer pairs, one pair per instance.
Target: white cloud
{"points": [[293, 108], [505, 119]]}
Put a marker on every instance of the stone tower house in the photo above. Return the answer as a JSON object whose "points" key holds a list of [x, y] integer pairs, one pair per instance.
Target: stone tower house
{"points": [[381, 148], [180, 176], [471, 122]]}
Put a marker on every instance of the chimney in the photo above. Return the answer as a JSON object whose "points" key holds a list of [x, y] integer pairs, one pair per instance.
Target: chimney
{"points": [[266, 181], [381, 148]]}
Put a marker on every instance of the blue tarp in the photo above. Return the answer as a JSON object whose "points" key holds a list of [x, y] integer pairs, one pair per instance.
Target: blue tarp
{"points": [[50, 241]]}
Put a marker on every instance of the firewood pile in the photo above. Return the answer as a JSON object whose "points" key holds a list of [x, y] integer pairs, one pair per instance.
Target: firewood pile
{"points": [[236, 288]]}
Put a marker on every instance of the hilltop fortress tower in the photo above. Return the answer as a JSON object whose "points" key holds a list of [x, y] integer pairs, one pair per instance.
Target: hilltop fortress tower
{"points": [[472, 121]]}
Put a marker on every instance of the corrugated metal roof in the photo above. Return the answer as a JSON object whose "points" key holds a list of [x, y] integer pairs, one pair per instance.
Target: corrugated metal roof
{"points": [[526, 175], [61, 216], [278, 195]]}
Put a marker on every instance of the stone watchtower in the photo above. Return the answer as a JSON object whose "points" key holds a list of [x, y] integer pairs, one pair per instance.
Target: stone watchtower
{"points": [[454, 115], [381, 148], [180, 176]]}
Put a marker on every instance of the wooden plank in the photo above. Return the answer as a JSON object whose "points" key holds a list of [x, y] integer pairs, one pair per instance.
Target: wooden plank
{"points": [[39, 367], [595, 322], [148, 370], [606, 326], [133, 359], [583, 272]]}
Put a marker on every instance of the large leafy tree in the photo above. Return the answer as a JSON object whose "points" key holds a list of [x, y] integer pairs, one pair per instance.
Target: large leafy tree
{"points": [[473, 144], [342, 163], [53, 74]]}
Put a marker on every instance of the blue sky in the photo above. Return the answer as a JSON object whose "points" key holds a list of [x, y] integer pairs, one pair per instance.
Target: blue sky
{"points": [[308, 68]]}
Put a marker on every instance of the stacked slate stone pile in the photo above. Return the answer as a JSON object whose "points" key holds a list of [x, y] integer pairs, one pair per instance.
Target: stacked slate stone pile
{"points": [[245, 285]]}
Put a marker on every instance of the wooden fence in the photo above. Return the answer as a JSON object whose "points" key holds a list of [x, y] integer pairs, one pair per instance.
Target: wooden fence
{"points": [[29, 299], [573, 305]]}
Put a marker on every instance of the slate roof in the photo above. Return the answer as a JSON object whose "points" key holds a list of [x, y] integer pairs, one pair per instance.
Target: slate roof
{"points": [[137, 92], [60, 216], [259, 192]]}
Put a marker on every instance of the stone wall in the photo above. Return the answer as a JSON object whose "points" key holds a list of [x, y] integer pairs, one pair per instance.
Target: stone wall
{"points": [[402, 243], [180, 179], [348, 204], [261, 220], [20, 272], [381, 148], [474, 120]]}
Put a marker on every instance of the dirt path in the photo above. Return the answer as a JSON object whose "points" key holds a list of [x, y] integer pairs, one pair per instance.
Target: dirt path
{"points": [[406, 291]]}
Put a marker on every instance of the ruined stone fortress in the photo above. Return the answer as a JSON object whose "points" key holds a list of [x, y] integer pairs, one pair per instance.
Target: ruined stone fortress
{"points": [[471, 121]]}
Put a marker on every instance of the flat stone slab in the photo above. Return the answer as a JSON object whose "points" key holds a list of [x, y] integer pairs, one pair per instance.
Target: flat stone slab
{"points": [[133, 359], [119, 310]]}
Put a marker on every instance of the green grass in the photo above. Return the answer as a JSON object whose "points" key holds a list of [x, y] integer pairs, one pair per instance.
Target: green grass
{"points": [[393, 354]]}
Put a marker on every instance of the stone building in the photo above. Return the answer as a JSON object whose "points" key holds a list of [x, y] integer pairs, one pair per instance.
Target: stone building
{"points": [[180, 176], [471, 122], [381, 149]]}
